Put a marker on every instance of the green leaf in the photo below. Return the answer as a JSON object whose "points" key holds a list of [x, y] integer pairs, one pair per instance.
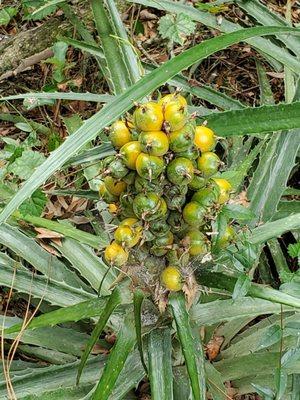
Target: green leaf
{"points": [[123, 103], [191, 346], [274, 229], [207, 19], [271, 176], [267, 119], [215, 383], [290, 357], [113, 301], [97, 242], [45, 10], [176, 27], [72, 123], [241, 287], [271, 336], [118, 76], [138, 298], [23, 126], [280, 382], [24, 166], [35, 204], [237, 212], [294, 250], [31, 97], [125, 342], [6, 14], [160, 364]]}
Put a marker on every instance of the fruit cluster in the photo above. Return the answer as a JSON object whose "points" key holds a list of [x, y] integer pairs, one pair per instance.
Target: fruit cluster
{"points": [[161, 186]]}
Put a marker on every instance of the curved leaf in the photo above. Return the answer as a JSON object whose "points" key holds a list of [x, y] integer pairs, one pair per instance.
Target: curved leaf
{"points": [[138, 298], [124, 102], [191, 348]]}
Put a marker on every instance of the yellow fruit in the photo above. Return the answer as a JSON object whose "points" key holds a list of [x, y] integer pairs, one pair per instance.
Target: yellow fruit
{"points": [[225, 188], [105, 194], [126, 236], [175, 116], [173, 97], [149, 117], [204, 139], [171, 279], [112, 208], [119, 134], [154, 143], [129, 221], [114, 186], [129, 153], [114, 254]]}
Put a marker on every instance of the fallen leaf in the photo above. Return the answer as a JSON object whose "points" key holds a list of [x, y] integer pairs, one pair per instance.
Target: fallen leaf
{"points": [[47, 234], [213, 347]]}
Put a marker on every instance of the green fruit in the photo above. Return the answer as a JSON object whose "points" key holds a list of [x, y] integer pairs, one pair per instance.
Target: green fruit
{"points": [[126, 236], [146, 206], [208, 164], [198, 182], [161, 245], [182, 140], [144, 185], [225, 238], [159, 227], [192, 153], [193, 214], [207, 196], [176, 221], [117, 168], [149, 167], [180, 171], [154, 143], [196, 242], [149, 117]]}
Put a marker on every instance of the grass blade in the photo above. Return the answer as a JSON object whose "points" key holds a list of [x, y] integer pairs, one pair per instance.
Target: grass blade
{"points": [[114, 300], [267, 119], [118, 75], [97, 242], [126, 340], [193, 353], [124, 102], [138, 298], [97, 98], [160, 364], [208, 19], [225, 282]]}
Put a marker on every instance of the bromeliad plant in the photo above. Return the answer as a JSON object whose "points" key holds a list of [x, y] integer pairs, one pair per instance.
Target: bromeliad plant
{"points": [[163, 204]]}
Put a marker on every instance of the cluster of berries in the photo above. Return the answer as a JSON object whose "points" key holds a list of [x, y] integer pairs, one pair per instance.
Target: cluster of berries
{"points": [[161, 185]]}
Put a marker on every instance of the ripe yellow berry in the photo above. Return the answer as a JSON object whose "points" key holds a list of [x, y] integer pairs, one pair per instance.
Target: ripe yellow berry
{"points": [[119, 134], [171, 279], [114, 254], [149, 117], [129, 153], [114, 186], [225, 188], [171, 98], [204, 139]]}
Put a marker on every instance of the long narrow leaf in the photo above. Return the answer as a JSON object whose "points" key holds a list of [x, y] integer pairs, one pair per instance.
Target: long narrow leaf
{"points": [[97, 98], [138, 298], [113, 301], [160, 364], [115, 363], [192, 354], [124, 102]]}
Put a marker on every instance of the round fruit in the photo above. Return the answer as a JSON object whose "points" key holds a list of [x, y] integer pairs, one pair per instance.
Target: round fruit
{"points": [[208, 163], [204, 139], [145, 206], [171, 98], [162, 209], [128, 222], [119, 134], [112, 208], [198, 182], [114, 254], [176, 221], [154, 143], [191, 153], [171, 279], [114, 186], [223, 239], [225, 188], [182, 139], [175, 116], [105, 194], [193, 214], [129, 153], [207, 196], [149, 117], [160, 246], [159, 227], [196, 241], [117, 169], [149, 167], [127, 236], [180, 171], [144, 185]]}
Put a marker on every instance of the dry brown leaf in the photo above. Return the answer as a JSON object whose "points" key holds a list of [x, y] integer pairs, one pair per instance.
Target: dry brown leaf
{"points": [[49, 248], [47, 234], [240, 199], [213, 347]]}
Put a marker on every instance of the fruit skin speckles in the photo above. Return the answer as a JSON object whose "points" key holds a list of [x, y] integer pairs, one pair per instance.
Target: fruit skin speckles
{"points": [[171, 279], [208, 163], [129, 153], [119, 134], [149, 117], [115, 255]]}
